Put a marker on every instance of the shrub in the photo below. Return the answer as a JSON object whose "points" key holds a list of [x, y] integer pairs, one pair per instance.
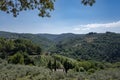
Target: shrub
{"points": [[91, 70], [17, 58], [82, 69]]}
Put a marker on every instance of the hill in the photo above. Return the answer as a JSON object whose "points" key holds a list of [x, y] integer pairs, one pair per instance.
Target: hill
{"points": [[40, 40], [91, 46], [68, 56]]}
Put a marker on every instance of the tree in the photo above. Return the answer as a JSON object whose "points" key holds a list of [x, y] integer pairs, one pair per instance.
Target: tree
{"points": [[17, 58], [49, 65], [55, 65], [15, 6], [43, 6], [67, 65], [88, 2]]}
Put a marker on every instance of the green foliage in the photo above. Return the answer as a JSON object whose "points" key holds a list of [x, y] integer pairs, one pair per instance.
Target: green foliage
{"points": [[103, 47], [116, 65], [110, 74], [20, 58], [37, 39], [88, 2], [78, 66], [17, 58], [67, 65], [86, 52], [11, 46], [42, 60], [22, 72], [27, 46], [77, 69], [14, 7], [18, 51], [50, 65], [43, 6], [56, 65], [81, 69], [90, 71], [87, 65]]}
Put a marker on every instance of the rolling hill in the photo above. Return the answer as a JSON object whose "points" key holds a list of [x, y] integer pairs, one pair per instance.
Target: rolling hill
{"points": [[91, 46]]}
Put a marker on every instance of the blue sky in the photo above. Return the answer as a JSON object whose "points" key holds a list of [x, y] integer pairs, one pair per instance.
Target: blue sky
{"points": [[69, 16]]}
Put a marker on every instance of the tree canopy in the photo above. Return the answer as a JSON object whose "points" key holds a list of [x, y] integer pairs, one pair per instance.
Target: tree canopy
{"points": [[43, 6]]}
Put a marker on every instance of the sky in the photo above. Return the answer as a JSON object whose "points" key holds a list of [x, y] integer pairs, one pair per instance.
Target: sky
{"points": [[69, 16]]}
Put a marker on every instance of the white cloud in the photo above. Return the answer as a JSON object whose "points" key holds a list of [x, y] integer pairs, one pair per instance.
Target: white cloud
{"points": [[76, 29], [96, 26]]}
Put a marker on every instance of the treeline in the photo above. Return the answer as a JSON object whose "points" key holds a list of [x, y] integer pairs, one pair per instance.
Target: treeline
{"points": [[90, 66]]}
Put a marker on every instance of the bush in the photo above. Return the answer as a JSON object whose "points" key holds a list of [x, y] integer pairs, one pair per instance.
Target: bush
{"points": [[90, 71], [82, 69], [17, 58]]}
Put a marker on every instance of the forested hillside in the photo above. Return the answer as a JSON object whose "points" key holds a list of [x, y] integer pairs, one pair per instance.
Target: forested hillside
{"points": [[43, 42], [91, 46], [68, 56]]}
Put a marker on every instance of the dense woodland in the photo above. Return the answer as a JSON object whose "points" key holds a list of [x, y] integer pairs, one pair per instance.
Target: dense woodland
{"points": [[92, 46], [92, 56]]}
